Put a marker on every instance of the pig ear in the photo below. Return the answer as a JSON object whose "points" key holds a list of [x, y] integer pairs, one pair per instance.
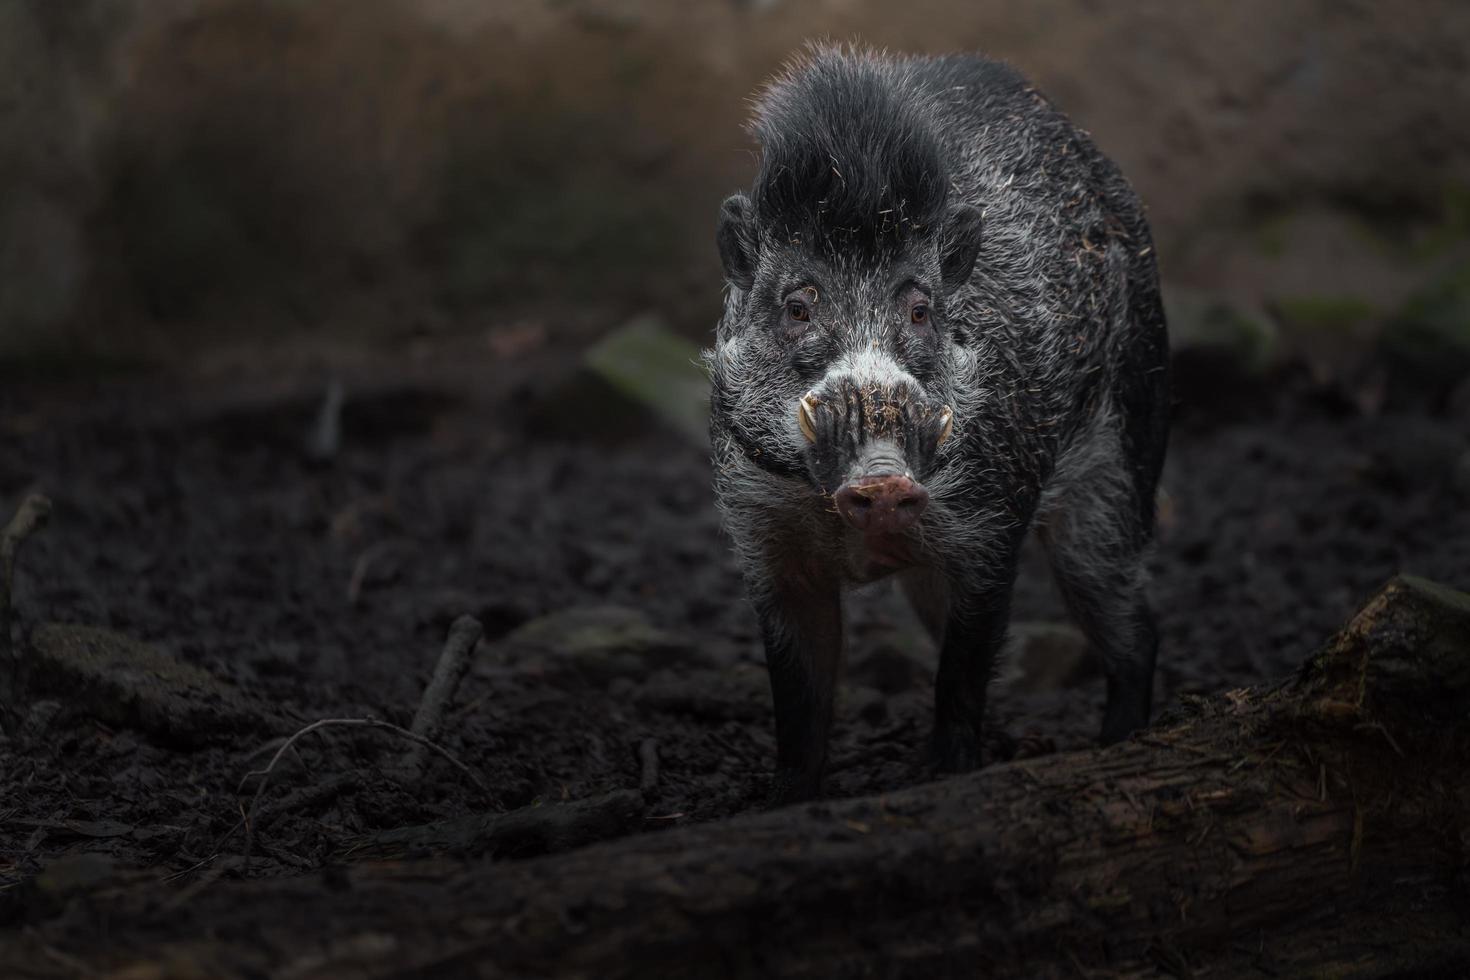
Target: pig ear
{"points": [[959, 244], [735, 236]]}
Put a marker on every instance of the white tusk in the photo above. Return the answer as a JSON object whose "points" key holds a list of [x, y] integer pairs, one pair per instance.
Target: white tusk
{"points": [[805, 419], [946, 416]]}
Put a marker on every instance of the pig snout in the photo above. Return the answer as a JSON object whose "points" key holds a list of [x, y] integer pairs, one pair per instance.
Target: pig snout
{"points": [[869, 445], [882, 504]]}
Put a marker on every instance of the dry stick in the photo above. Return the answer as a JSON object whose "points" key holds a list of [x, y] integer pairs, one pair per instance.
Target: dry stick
{"points": [[364, 565], [31, 514], [648, 759], [454, 662], [265, 774], [171, 878], [325, 437], [360, 569]]}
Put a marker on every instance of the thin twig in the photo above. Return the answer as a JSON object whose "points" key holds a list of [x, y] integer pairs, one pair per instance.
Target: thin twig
{"points": [[265, 773], [454, 662], [325, 437], [205, 860], [648, 763]]}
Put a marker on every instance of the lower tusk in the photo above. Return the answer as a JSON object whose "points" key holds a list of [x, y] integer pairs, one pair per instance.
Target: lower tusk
{"points": [[946, 423], [806, 417]]}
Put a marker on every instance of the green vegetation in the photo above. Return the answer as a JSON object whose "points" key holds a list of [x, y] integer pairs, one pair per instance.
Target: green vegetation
{"points": [[1319, 313], [658, 369], [1204, 319]]}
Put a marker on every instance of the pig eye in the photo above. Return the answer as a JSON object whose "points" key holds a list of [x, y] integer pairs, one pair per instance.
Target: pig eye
{"points": [[919, 313], [798, 311]]}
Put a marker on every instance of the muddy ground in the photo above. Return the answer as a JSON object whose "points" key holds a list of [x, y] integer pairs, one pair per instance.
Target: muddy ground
{"points": [[188, 515]]}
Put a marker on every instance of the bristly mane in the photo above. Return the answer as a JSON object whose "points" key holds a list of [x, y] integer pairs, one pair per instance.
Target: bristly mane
{"points": [[850, 160]]}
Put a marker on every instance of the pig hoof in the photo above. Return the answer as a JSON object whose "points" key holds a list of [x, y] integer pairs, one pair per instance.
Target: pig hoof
{"points": [[1121, 724], [789, 786], [957, 754]]}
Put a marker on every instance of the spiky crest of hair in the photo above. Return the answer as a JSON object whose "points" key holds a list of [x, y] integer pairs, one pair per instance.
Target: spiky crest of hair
{"points": [[851, 161]]}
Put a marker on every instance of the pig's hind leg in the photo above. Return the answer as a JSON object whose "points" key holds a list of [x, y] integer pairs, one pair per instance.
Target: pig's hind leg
{"points": [[1096, 522]]}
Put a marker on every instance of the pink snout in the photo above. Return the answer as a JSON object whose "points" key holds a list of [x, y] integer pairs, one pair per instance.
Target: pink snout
{"points": [[882, 504]]}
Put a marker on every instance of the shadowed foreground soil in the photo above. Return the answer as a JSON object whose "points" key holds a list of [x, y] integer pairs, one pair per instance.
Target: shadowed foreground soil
{"points": [[188, 516]]}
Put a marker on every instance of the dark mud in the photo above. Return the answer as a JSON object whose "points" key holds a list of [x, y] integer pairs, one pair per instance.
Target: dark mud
{"points": [[189, 517]]}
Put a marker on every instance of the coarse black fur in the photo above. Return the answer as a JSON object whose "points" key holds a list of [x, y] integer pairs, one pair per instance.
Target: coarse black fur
{"points": [[926, 236]]}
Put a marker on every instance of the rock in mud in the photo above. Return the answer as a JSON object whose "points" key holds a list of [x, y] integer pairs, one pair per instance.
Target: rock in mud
{"points": [[1045, 656], [890, 660], [130, 684], [866, 703], [594, 646]]}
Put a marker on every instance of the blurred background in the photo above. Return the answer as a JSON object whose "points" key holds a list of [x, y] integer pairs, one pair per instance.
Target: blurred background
{"points": [[184, 177]]}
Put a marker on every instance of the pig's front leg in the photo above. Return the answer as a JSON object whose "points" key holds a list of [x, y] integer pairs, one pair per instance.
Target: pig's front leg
{"points": [[801, 621], [975, 629], [966, 662]]}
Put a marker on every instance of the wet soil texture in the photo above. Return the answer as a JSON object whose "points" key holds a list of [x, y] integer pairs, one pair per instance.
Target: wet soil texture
{"points": [[200, 555]]}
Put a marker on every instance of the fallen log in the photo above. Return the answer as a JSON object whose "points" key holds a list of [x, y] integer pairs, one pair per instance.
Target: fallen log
{"points": [[1321, 823]]}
